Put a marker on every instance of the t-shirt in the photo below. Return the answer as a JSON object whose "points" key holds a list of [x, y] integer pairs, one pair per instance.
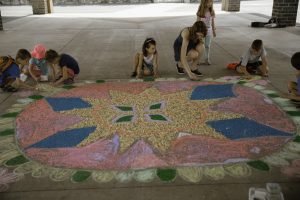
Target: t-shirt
{"points": [[248, 57], [40, 63], [69, 62], [13, 71], [207, 19]]}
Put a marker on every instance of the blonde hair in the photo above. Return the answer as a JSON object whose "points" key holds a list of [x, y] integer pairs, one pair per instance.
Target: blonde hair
{"points": [[202, 8]]}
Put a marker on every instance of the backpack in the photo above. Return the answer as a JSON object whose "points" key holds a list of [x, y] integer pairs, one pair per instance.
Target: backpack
{"points": [[272, 23], [5, 62]]}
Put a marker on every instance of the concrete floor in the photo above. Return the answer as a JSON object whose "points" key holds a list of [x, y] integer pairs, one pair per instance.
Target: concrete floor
{"points": [[104, 39]]}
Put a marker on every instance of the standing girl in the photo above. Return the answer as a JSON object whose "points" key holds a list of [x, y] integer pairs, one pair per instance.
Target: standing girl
{"points": [[206, 14], [145, 62]]}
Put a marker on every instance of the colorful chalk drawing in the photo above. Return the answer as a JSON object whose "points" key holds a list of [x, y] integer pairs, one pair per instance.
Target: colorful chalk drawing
{"points": [[141, 130]]}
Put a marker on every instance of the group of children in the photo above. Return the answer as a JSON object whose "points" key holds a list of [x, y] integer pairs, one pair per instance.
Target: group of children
{"points": [[195, 41], [40, 65], [189, 48]]}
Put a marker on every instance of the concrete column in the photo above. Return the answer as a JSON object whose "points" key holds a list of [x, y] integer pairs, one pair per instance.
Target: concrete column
{"points": [[231, 5], [50, 6], [285, 11], [40, 7], [1, 26]]}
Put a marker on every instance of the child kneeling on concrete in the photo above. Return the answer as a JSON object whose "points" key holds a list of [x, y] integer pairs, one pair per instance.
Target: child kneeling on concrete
{"points": [[69, 66], [294, 87], [254, 60], [10, 75]]}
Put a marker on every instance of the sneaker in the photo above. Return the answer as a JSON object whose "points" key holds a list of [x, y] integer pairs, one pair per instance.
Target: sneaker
{"points": [[197, 72], [179, 69], [133, 75]]}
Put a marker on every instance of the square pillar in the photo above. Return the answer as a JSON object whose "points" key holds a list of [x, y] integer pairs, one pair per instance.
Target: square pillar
{"points": [[1, 25], [231, 5], [285, 11], [40, 7], [50, 6]]}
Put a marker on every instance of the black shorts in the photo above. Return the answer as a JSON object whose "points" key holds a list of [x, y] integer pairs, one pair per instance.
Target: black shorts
{"points": [[252, 67], [177, 49]]}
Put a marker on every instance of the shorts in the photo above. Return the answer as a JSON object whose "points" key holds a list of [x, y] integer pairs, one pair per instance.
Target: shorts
{"points": [[71, 76], [252, 67], [148, 66], [177, 49]]}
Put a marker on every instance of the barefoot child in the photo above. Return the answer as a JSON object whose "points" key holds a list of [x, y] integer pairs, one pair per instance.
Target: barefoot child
{"points": [[10, 75], [145, 62], [69, 66]]}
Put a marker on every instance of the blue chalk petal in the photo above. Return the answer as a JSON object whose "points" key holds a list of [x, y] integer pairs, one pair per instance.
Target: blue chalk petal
{"points": [[244, 128], [66, 103], [67, 138], [212, 92]]}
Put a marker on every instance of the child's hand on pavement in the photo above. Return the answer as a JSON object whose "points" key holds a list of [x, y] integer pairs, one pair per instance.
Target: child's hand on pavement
{"points": [[193, 77]]}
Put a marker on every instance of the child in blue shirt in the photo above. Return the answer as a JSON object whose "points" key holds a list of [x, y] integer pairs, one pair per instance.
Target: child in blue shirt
{"points": [[10, 75]]}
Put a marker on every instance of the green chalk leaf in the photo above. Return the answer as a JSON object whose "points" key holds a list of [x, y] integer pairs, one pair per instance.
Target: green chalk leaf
{"points": [[150, 78], [125, 108], [241, 82], [9, 115], [155, 106], [127, 118], [81, 176], [258, 164], [7, 132], [36, 97], [16, 161], [166, 174], [100, 81], [297, 139], [158, 117], [293, 113], [273, 95]]}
